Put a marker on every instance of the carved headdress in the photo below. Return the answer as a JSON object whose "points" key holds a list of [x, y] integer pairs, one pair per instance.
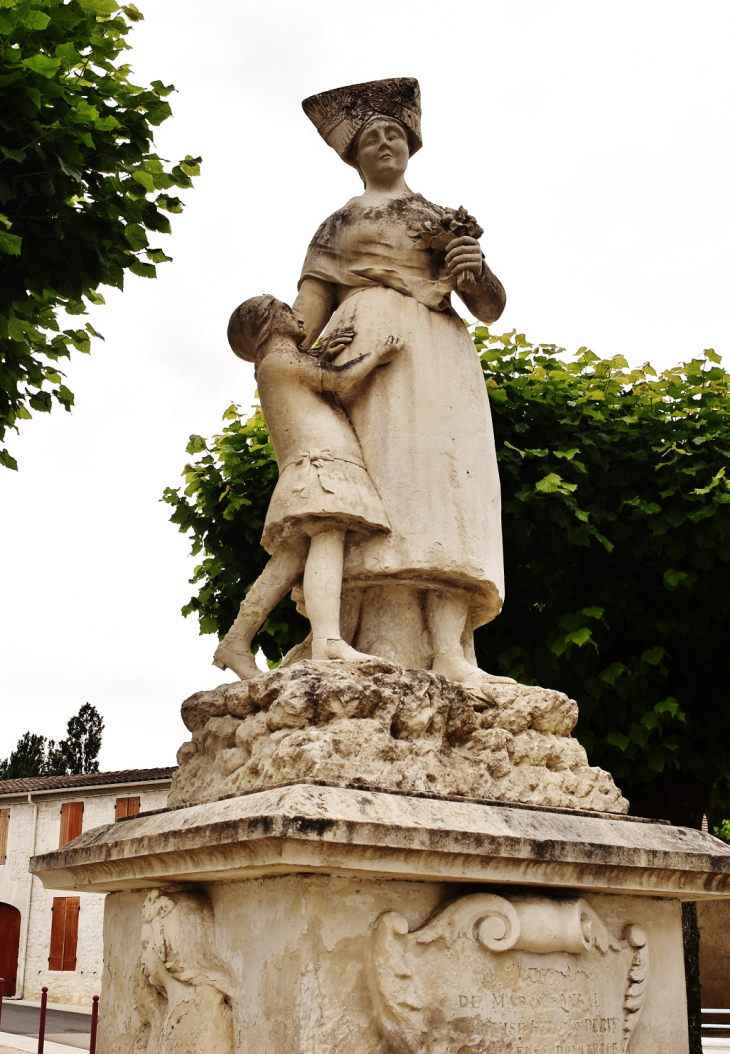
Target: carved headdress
{"points": [[340, 114]]}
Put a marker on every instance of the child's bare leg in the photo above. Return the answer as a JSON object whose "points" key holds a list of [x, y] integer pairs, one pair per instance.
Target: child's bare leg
{"points": [[274, 582], [322, 596]]}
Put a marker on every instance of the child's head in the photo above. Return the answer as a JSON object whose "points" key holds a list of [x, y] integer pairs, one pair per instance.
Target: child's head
{"points": [[256, 321]]}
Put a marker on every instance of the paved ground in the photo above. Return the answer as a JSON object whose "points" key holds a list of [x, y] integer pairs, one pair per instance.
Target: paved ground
{"points": [[29, 1045], [61, 1026]]}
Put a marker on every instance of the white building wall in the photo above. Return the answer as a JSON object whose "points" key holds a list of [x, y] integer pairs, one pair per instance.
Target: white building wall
{"points": [[64, 986], [14, 876]]}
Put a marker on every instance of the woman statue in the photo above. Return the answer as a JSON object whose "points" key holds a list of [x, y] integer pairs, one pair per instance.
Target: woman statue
{"points": [[424, 423]]}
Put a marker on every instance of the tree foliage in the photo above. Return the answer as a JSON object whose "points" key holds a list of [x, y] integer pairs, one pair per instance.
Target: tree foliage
{"points": [[616, 520], [35, 755], [80, 188], [223, 507], [723, 831]]}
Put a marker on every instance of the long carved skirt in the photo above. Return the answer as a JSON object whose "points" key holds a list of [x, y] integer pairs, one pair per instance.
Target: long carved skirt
{"points": [[425, 429]]}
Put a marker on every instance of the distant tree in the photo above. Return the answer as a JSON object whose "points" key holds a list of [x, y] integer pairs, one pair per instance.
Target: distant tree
{"points": [[80, 749], [35, 755], [30, 758], [80, 187], [616, 517]]}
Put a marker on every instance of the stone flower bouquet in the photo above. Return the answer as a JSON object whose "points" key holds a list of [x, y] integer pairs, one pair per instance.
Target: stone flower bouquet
{"points": [[437, 234]]}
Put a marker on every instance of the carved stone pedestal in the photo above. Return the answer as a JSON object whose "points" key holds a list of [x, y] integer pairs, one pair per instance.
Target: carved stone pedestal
{"points": [[321, 920]]}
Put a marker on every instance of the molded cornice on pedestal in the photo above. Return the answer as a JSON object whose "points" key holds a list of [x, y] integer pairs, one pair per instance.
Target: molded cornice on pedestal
{"points": [[334, 830]]}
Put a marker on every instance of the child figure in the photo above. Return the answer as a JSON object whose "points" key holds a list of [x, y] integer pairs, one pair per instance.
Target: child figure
{"points": [[323, 490]]}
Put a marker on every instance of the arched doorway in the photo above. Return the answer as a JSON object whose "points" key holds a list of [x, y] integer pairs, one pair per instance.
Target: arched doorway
{"points": [[9, 944]]}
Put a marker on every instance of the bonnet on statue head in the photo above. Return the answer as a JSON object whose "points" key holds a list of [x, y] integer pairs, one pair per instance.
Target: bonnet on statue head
{"points": [[340, 114]]}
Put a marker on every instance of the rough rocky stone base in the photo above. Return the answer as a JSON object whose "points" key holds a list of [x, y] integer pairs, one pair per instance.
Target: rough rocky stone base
{"points": [[377, 724]]}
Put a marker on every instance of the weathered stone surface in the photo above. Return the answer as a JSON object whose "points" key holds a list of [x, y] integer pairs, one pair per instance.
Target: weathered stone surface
{"points": [[355, 966], [373, 834], [714, 924], [377, 724]]}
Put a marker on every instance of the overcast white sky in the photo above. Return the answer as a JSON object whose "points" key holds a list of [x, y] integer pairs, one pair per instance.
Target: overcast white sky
{"points": [[589, 138]]}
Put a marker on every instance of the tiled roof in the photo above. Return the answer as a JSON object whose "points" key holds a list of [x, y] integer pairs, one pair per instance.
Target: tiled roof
{"points": [[88, 779]]}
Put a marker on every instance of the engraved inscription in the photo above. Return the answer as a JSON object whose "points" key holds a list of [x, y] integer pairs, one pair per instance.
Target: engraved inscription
{"points": [[526, 975]]}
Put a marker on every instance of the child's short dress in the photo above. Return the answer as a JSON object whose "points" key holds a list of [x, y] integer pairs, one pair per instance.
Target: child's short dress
{"points": [[316, 484]]}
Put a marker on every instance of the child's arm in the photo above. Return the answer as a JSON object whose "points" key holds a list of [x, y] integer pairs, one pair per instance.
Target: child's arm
{"points": [[349, 374]]}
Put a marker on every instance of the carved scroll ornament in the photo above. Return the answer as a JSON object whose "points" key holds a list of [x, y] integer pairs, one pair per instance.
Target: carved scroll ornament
{"points": [[524, 973]]}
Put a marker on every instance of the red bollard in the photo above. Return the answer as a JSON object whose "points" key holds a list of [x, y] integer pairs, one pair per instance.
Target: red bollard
{"points": [[42, 1025], [2, 986], [94, 1023]]}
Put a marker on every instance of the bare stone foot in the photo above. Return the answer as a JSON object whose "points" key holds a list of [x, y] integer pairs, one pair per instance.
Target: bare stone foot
{"points": [[229, 657], [456, 668], [336, 648]]}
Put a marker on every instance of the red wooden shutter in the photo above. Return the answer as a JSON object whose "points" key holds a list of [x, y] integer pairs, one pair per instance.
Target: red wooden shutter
{"points": [[72, 818], [64, 933], [73, 907], [126, 807], [58, 933], [9, 944], [4, 823]]}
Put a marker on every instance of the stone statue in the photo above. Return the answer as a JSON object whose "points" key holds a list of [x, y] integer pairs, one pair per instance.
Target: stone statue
{"points": [[395, 852], [427, 570], [185, 995], [324, 490]]}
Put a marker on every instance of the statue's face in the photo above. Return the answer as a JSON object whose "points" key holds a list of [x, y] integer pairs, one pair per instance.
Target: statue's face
{"points": [[290, 326], [152, 966], [382, 149]]}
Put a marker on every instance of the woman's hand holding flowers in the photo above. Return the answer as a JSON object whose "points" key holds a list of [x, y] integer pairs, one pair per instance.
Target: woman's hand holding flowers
{"points": [[464, 256], [456, 233]]}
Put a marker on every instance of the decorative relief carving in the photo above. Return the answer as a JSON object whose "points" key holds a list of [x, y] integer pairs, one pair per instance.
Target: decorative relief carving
{"points": [[638, 980], [524, 974], [184, 992]]}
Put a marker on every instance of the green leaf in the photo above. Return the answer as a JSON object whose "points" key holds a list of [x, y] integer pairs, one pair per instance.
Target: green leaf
{"points": [[208, 624], [195, 445], [191, 165], [144, 270], [611, 674], [656, 760], [162, 89], [10, 243], [136, 236], [672, 578], [43, 65], [100, 8], [669, 706], [158, 256], [653, 655], [580, 637], [68, 54], [8, 460], [618, 739], [145, 180], [549, 484], [32, 18]]}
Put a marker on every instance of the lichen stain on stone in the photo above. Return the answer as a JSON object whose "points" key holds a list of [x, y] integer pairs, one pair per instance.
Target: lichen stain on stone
{"points": [[380, 726]]}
